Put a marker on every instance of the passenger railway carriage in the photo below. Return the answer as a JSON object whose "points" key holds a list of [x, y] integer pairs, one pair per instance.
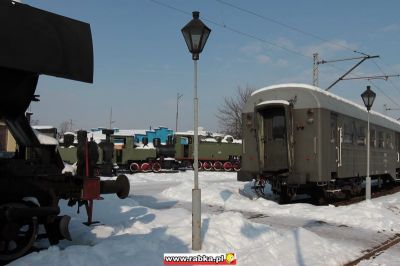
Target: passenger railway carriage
{"points": [[302, 139]]}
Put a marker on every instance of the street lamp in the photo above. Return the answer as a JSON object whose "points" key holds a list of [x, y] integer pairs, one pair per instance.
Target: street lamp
{"points": [[196, 35], [368, 97], [178, 97]]}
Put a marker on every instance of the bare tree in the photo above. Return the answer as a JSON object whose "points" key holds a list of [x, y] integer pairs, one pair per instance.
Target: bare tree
{"points": [[230, 114], [64, 127]]}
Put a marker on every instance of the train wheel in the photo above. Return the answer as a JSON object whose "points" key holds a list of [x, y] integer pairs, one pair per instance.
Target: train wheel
{"points": [[200, 166], [207, 166], [236, 166], [318, 196], [217, 166], [227, 166], [187, 164], [145, 167], [16, 238], [156, 167], [285, 195], [259, 186], [134, 167]]}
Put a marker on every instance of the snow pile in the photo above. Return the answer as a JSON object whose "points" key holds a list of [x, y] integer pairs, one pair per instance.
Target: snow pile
{"points": [[156, 219], [69, 168]]}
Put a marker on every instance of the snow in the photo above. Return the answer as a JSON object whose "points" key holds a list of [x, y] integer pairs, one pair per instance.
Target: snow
{"points": [[144, 147], [209, 140], [41, 127], [156, 219], [209, 136], [283, 102], [45, 139], [69, 168]]}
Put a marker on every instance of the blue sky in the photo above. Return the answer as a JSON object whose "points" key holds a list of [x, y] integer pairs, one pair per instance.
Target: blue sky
{"points": [[142, 62]]}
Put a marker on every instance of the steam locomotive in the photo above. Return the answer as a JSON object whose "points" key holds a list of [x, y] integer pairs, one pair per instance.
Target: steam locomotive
{"points": [[32, 182], [176, 153]]}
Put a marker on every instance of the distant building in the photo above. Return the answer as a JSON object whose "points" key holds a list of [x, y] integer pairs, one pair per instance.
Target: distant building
{"points": [[121, 134], [161, 132]]}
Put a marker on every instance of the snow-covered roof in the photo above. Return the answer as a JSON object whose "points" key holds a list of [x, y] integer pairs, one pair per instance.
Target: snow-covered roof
{"points": [[125, 132], [43, 127], [191, 133], [209, 140], [45, 139], [272, 102], [307, 96]]}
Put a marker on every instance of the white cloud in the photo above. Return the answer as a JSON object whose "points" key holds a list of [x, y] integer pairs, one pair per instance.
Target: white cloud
{"points": [[286, 43], [396, 68], [391, 28], [282, 63], [252, 48], [263, 59], [328, 48]]}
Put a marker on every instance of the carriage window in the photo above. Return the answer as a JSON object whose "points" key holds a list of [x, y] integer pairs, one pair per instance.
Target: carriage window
{"points": [[361, 139], [348, 133], [278, 127], [381, 140], [389, 141], [372, 139], [333, 128]]}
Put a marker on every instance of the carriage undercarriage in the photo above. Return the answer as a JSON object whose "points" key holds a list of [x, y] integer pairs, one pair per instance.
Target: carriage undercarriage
{"points": [[320, 192]]}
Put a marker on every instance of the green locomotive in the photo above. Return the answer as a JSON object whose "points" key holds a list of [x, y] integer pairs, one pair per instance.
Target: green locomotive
{"points": [[218, 154], [214, 153]]}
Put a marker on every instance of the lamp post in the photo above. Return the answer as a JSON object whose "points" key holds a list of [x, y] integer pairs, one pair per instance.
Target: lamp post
{"points": [[178, 97], [368, 97], [196, 35]]}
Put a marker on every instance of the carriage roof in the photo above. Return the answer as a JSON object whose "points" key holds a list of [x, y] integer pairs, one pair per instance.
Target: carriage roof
{"points": [[307, 96]]}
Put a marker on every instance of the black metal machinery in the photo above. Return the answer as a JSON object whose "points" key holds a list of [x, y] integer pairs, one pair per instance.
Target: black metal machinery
{"points": [[106, 166], [35, 42]]}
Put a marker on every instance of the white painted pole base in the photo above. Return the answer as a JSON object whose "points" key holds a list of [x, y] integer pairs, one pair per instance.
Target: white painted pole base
{"points": [[368, 188], [196, 219]]}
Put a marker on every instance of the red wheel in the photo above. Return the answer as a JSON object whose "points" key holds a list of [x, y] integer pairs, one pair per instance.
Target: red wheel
{"points": [[236, 166], [200, 166], [207, 166], [227, 166], [156, 167], [134, 167], [217, 166], [145, 167]]}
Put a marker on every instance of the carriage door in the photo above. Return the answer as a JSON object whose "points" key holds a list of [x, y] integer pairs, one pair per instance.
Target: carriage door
{"points": [[334, 158], [274, 139], [397, 137]]}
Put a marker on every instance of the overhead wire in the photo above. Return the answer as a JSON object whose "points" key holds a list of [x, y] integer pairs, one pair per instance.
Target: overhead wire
{"points": [[223, 25], [384, 73], [377, 87], [288, 26]]}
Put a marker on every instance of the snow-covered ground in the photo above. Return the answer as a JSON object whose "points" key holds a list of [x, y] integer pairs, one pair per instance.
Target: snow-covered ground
{"points": [[156, 219]]}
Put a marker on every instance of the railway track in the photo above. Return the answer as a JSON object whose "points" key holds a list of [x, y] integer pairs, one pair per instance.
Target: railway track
{"points": [[370, 253], [375, 194]]}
